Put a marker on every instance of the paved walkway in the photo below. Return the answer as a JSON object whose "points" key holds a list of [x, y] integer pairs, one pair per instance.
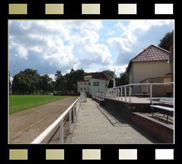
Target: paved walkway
{"points": [[96, 125]]}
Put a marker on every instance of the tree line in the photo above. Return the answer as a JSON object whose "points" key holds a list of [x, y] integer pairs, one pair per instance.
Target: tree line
{"points": [[30, 82]]}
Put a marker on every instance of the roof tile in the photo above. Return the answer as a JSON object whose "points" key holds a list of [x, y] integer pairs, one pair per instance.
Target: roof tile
{"points": [[152, 53], [99, 75]]}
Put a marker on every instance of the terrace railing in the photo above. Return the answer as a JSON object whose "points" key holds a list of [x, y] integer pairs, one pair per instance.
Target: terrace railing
{"points": [[125, 92], [71, 112]]}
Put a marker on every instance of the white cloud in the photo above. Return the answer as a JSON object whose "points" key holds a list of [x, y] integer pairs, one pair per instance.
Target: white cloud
{"points": [[98, 53], [120, 44], [22, 52], [141, 25], [37, 49], [89, 24], [136, 35], [129, 33], [86, 43], [87, 37], [61, 45], [61, 58]]}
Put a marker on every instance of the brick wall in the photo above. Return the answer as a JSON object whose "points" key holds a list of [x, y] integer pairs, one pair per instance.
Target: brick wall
{"points": [[160, 131]]}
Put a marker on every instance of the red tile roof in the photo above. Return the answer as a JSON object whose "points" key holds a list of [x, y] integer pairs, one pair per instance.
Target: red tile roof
{"points": [[152, 53], [99, 75]]}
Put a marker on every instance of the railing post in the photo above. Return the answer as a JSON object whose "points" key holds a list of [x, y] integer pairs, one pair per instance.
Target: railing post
{"points": [[125, 92], [61, 132], [70, 128], [151, 93], [115, 93], [129, 93], [74, 113], [121, 92], [118, 93]]}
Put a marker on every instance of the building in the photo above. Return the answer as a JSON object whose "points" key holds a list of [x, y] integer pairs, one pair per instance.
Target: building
{"points": [[171, 59], [149, 66], [93, 83], [157, 90]]}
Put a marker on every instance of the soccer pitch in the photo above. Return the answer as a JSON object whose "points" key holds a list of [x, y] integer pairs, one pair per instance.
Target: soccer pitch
{"points": [[22, 102]]}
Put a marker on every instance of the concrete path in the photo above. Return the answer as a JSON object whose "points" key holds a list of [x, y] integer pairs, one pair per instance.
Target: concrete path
{"points": [[96, 125]]}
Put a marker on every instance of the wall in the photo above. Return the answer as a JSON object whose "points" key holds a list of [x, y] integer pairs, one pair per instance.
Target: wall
{"points": [[160, 131], [142, 70], [131, 112], [84, 85], [102, 85], [158, 90], [124, 109]]}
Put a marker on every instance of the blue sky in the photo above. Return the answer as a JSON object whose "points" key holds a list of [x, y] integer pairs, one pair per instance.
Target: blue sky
{"points": [[93, 45]]}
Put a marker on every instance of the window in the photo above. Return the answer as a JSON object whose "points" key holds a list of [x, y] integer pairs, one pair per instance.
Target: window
{"points": [[96, 84], [80, 88], [84, 83], [84, 88]]}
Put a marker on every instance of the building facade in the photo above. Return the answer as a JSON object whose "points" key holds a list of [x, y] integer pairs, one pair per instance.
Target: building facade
{"points": [[151, 63], [93, 83]]}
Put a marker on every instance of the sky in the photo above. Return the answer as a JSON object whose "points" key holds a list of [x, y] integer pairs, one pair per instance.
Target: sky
{"points": [[93, 45]]}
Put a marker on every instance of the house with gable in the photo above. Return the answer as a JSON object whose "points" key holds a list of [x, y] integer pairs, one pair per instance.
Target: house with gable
{"points": [[150, 66], [93, 82]]}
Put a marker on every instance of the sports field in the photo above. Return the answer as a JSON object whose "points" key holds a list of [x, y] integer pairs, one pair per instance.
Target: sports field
{"points": [[22, 102]]}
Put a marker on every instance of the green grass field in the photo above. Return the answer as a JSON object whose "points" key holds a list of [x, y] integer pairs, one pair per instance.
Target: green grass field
{"points": [[23, 102]]}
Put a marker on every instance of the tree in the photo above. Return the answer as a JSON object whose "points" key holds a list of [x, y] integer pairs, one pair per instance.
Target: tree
{"points": [[33, 77], [45, 83], [20, 83], [71, 79], [165, 40], [26, 81], [109, 73], [9, 80], [60, 82], [123, 79], [52, 85]]}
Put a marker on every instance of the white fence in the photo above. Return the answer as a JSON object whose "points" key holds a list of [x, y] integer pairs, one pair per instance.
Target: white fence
{"points": [[122, 92], [74, 108]]}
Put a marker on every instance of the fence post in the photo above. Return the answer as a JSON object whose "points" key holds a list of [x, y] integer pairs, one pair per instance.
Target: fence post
{"points": [[125, 92], [151, 93], [61, 132], [70, 128]]}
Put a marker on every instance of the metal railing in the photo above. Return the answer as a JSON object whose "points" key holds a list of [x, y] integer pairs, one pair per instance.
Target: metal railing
{"points": [[127, 91], [73, 109]]}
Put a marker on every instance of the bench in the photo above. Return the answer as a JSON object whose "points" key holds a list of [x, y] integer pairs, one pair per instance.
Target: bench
{"points": [[163, 101]]}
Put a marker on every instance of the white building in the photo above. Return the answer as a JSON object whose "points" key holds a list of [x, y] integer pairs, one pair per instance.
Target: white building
{"points": [[93, 83]]}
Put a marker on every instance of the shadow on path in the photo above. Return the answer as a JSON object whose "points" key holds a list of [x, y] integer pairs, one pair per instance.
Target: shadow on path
{"points": [[118, 121]]}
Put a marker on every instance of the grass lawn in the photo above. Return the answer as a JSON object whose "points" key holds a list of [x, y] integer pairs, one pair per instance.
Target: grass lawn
{"points": [[23, 102]]}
